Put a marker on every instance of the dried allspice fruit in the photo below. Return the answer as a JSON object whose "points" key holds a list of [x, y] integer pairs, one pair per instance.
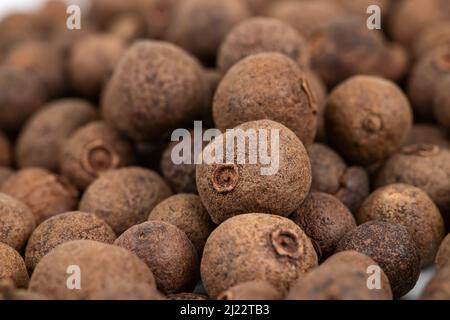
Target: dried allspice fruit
{"points": [[12, 266]]}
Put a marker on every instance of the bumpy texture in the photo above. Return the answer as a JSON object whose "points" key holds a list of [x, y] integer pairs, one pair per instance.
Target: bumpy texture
{"points": [[411, 208], [392, 247], [41, 139], [91, 150], [106, 272], [443, 254], [167, 251], [92, 61], [423, 166], [367, 119], [62, 228], [186, 212], [5, 150], [256, 247], [231, 188], [199, 26], [252, 290], [12, 266], [258, 35], [340, 279], [45, 193], [425, 133], [156, 87], [427, 73], [441, 103], [14, 97], [325, 220], [267, 86], [124, 197], [439, 286]]}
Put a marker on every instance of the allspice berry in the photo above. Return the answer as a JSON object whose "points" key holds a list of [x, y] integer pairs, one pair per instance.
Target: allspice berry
{"points": [[199, 26], [258, 35], [256, 247], [124, 197], [43, 136], [422, 166], [92, 61], [325, 220], [155, 88], [443, 254], [14, 97], [427, 133], [16, 222], [167, 251], [62, 228], [91, 150], [5, 150], [12, 266], [433, 36], [267, 86], [439, 286], [355, 187], [391, 247], [228, 189], [106, 271], [441, 104], [45, 193], [252, 290], [367, 119], [186, 212], [411, 208], [157, 15]]}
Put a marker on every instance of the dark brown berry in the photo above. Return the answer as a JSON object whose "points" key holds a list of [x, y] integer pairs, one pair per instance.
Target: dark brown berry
{"points": [[12, 266]]}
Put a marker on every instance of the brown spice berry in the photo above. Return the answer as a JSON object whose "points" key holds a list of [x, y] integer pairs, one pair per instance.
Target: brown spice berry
{"points": [[106, 271], [367, 118], [355, 187], [186, 212], [124, 197], [229, 189], [92, 150], [251, 290], [439, 286], [258, 35], [325, 220], [45, 193], [267, 86], [443, 254], [157, 15], [156, 87], [41, 139], [62, 228], [256, 247], [392, 247], [433, 36], [12, 266], [427, 133], [167, 251]]}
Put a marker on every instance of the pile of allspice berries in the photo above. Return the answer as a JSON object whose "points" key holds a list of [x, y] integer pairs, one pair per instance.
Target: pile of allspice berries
{"points": [[92, 205]]}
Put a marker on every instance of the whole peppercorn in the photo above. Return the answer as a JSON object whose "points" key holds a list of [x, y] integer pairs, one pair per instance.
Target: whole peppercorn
{"points": [[325, 220], [427, 133], [186, 212], [45, 193], [441, 105], [435, 35], [14, 97], [443, 254], [100, 266], [5, 173], [41, 58], [167, 251], [251, 290], [355, 187], [92, 61], [267, 86], [439, 286], [392, 247], [228, 189], [16, 222], [42, 137], [156, 87], [124, 197], [367, 119], [422, 166], [5, 150], [91, 150], [427, 73], [199, 26], [157, 15], [62, 228], [186, 296], [12, 266], [256, 247], [411, 208], [259, 35]]}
